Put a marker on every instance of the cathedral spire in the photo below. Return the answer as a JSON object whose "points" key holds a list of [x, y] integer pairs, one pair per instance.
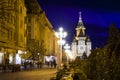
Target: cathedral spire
{"points": [[80, 18], [80, 30], [80, 23]]}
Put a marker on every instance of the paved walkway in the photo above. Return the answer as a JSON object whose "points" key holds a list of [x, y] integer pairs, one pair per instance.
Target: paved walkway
{"points": [[38, 74]]}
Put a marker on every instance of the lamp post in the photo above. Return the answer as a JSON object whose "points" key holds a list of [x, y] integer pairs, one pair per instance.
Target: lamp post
{"points": [[67, 47], [61, 34]]}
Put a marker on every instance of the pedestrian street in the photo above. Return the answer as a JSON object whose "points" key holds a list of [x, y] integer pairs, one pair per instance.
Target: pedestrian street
{"points": [[37, 74]]}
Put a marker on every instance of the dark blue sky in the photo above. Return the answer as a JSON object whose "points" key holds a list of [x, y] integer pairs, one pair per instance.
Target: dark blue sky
{"points": [[96, 15]]}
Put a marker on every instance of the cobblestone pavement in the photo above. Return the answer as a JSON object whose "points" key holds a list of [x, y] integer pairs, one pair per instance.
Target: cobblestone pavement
{"points": [[38, 74]]}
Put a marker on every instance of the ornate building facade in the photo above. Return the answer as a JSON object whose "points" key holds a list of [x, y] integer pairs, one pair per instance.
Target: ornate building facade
{"points": [[12, 30], [41, 35], [7, 30], [81, 43], [20, 30]]}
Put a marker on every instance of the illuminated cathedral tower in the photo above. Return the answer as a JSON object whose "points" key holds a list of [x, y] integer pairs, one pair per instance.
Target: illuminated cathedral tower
{"points": [[81, 43]]}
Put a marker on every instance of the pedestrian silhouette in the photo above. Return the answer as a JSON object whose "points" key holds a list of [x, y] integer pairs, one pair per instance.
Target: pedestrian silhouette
{"points": [[48, 64]]}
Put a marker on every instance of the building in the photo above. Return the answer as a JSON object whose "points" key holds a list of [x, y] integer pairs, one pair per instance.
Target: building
{"points": [[36, 30], [7, 31], [41, 35], [25, 31], [12, 31], [81, 42], [20, 30]]}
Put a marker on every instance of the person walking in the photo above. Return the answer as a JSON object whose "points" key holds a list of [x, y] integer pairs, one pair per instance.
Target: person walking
{"points": [[51, 63], [48, 63], [54, 63]]}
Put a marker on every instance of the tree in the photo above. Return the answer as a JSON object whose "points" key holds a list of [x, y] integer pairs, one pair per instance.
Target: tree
{"points": [[113, 34], [84, 56], [113, 50]]}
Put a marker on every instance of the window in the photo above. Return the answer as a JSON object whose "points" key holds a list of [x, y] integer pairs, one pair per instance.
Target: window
{"points": [[10, 35], [9, 2], [13, 20], [4, 33], [81, 48]]}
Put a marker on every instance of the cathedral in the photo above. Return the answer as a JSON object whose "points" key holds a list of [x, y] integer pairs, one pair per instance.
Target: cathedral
{"points": [[81, 43]]}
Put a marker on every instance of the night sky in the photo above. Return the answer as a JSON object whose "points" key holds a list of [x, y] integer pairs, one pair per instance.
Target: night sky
{"points": [[96, 15]]}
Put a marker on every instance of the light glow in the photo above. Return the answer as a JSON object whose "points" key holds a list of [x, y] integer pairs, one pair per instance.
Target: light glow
{"points": [[60, 29], [61, 34], [69, 53], [20, 52], [49, 58], [10, 58], [61, 42], [17, 59], [1, 57], [67, 46], [65, 34]]}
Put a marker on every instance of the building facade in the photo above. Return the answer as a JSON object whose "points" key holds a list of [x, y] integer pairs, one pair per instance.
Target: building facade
{"points": [[35, 29], [7, 31], [12, 27], [25, 31], [41, 35], [20, 30], [81, 43]]}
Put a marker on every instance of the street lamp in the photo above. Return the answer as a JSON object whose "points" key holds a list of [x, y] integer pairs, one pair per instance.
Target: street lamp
{"points": [[67, 49], [61, 34]]}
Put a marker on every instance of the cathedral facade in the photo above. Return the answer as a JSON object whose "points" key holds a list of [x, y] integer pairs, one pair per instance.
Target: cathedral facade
{"points": [[81, 43]]}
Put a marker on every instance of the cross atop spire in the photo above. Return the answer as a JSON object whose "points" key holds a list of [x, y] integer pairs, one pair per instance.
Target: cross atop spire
{"points": [[80, 16]]}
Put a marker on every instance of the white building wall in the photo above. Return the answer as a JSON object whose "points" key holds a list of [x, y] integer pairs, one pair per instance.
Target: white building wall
{"points": [[74, 49], [79, 49], [88, 48], [81, 46]]}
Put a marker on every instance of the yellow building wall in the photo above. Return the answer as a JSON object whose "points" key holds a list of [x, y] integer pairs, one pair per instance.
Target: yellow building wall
{"points": [[20, 24], [12, 30]]}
